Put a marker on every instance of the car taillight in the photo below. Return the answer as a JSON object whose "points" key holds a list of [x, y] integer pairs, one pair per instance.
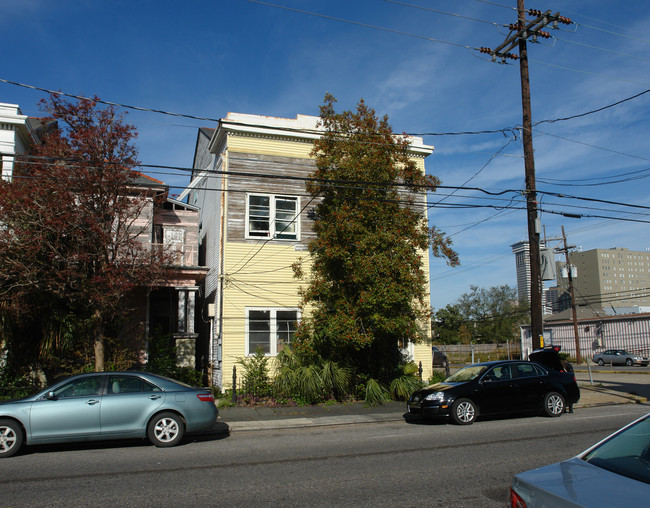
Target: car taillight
{"points": [[515, 500], [205, 397]]}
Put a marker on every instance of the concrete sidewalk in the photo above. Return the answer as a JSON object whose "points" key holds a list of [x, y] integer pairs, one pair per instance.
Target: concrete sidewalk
{"points": [[267, 418]]}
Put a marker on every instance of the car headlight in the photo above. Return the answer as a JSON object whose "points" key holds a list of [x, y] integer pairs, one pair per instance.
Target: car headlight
{"points": [[437, 396]]}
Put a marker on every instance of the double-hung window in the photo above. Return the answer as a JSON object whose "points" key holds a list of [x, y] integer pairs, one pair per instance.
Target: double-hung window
{"points": [[270, 216], [270, 329]]}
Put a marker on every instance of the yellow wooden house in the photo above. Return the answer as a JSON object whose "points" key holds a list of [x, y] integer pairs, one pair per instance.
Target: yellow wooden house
{"points": [[249, 183]]}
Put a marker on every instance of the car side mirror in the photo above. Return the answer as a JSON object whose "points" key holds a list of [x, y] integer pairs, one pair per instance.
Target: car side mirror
{"points": [[51, 396]]}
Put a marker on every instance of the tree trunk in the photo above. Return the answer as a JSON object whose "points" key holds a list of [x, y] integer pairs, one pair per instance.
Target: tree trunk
{"points": [[99, 343]]}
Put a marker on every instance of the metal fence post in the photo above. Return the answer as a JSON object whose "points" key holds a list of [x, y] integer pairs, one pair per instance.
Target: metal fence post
{"points": [[234, 384]]}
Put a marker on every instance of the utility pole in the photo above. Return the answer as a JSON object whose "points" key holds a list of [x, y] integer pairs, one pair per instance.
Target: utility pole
{"points": [[520, 32], [574, 314]]}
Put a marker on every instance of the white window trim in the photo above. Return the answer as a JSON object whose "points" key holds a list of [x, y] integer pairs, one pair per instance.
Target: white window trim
{"points": [[272, 213], [273, 326]]}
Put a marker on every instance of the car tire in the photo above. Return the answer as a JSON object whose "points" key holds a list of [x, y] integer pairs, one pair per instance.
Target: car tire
{"points": [[464, 412], [629, 362], [165, 429], [601, 362], [11, 438], [554, 404]]}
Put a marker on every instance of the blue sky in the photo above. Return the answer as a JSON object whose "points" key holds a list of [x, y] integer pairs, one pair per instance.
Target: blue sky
{"points": [[207, 58]]}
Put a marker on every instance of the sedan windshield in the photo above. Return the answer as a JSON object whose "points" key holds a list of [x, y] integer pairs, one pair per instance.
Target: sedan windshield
{"points": [[627, 453], [466, 374]]}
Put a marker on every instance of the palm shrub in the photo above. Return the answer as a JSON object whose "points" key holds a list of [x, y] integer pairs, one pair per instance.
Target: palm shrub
{"points": [[406, 383], [310, 379], [375, 393], [336, 379]]}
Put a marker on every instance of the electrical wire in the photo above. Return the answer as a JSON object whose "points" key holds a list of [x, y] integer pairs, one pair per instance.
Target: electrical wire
{"points": [[365, 185], [365, 25], [429, 9], [571, 69], [503, 130]]}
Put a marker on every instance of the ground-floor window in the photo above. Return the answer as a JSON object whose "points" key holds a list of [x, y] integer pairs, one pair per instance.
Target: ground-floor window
{"points": [[270, 329]]}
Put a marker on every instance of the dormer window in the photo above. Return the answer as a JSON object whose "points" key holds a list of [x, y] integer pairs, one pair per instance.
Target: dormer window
{"points": [[269, 216]]}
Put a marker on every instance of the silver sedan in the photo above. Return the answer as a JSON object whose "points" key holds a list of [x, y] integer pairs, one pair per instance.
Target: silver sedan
{"points": [[614, 472], [619, 357], [107, 405]]}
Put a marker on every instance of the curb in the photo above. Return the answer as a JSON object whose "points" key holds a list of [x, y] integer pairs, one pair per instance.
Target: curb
{"points": [[613, 398], [585, 370], [321, 421]]}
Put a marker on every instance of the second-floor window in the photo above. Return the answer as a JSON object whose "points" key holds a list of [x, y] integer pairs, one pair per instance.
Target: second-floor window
{"points": [[270, 216]]}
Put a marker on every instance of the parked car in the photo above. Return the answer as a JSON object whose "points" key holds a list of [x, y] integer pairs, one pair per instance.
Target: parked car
{"points": [[619, 357], [614, 472], [107, 405], [498, 387], [439, 358]]}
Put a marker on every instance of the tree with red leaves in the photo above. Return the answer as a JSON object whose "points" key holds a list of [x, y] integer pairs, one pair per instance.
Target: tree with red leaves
{"points": [[367, 287], [70, 242]]}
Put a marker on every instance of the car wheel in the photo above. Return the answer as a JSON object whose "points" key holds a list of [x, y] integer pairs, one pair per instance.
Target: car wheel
{"points": [[601, 362], [11, 438], [629, 362], [165, 429], [554, 404], [464, 412]]}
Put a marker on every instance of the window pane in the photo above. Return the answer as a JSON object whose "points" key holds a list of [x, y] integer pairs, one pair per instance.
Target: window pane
{"points": [[258, 215], [286, 327], [259, 331], [285, 217], [80, 388]]}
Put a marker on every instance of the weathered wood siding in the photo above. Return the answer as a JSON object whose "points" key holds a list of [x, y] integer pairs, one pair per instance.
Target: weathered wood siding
{"points": [[270, 166]]}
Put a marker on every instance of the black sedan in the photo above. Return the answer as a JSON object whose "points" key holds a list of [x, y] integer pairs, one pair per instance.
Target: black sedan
{"points": [[502, 387]]}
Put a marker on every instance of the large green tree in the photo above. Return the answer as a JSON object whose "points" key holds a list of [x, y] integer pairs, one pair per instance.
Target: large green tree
{"points": [[367, 291], [492, 314], [446, 325], [71, 248]]}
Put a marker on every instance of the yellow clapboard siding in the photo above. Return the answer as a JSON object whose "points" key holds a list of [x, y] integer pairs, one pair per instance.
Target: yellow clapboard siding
{"points": [[257, 275], [269, 146]]}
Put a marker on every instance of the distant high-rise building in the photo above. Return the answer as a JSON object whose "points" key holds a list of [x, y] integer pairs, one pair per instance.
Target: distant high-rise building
{"points": [[610, 278], [522, 264]]}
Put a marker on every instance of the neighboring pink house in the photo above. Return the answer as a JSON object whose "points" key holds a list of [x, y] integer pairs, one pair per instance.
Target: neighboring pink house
{"points": [[170, 308]]}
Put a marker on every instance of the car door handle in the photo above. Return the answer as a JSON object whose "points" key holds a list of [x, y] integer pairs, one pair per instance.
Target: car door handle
{"points": [[92, 402], [154, 397]]}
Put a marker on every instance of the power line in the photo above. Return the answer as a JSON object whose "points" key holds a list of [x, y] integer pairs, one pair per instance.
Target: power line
{"points": [[109, 103], [365, 25], [503, 130], [590, 46], [560, 181], [357, 184], [591, 112], [429, 9], [592, 146], [571, 69]]}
